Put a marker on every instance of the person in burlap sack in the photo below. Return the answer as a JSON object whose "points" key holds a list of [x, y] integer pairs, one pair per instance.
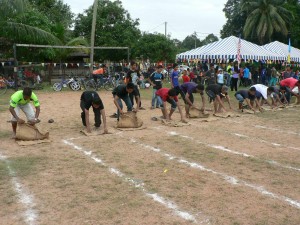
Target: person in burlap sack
{"points": [[165, 95], [20, 100], [122, 92], [218, 94], [90, 99]]}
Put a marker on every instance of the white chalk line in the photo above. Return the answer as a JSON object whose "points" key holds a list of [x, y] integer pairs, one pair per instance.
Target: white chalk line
{"points": [[264, 127], [26, 199], [139, 185], [264, 141], [230, 179], [243, 154]]}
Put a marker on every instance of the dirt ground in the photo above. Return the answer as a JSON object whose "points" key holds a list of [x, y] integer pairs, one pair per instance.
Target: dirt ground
{"points": [[241, 170]]}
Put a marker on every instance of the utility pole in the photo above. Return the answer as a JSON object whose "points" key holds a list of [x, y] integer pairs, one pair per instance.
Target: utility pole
{"points": [[165, 29], [93, 34]]}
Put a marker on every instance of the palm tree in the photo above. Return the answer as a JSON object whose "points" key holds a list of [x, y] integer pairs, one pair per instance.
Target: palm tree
{"points": [[264, 18], [11, 29]]}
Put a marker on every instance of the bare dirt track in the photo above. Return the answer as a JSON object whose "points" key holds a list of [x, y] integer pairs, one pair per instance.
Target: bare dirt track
{"points": [[243, 170]]}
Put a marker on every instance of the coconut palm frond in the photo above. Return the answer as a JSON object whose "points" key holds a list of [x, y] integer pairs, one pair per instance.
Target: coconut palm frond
{"points": [[17, 31]]}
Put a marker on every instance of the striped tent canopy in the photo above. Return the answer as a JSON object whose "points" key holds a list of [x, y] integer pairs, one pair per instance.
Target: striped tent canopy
{"points": [[282, 49], [227, 48]]}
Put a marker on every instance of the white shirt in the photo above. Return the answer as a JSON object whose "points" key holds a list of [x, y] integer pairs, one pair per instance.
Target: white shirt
{"points": [[220, 78], [261, 89]]}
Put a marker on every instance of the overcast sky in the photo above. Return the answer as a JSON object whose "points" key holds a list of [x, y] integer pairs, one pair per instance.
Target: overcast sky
{"points": [[183, 17]]}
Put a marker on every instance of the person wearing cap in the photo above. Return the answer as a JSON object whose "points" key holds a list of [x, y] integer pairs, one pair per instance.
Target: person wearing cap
{"points": [[90, 99], [220, 77], [20, 100], [218, 94], [249, 97]]}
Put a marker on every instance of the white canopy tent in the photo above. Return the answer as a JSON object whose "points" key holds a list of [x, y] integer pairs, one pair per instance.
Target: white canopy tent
{"points": [[227, 48], [282, 49]]}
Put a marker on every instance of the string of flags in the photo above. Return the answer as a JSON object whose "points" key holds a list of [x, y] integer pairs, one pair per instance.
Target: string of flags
{"points": [[56, 64]]}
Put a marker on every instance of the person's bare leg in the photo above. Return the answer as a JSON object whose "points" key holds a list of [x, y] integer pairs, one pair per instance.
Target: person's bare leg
{"points": [[164, 114], [14, 128], [171, 113]]}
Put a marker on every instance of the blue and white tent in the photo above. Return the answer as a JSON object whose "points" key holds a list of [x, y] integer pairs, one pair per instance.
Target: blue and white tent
{"points": [[282, 49], [227, 48]]}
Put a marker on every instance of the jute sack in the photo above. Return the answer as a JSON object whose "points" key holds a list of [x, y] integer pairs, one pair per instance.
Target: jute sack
{"points": [[27, 132], [196, 113], [129, 120]]}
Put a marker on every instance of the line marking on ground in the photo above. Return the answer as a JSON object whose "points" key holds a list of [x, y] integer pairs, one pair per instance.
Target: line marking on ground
{"points": [[230, 179], [139, 185], [264, 127], [27, 200], [224, 149], [264, 141]]}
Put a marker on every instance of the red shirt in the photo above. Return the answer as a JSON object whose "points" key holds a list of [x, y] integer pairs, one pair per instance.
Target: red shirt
{"points": [[192, 75], [163, 93], [289, 82], [185, 78]]}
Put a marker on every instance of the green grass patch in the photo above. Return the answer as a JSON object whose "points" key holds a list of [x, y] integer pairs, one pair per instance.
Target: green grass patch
{"points": [[25, 166]]}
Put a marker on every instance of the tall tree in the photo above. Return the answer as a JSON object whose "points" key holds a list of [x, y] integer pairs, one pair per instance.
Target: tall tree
{"points": [[114, 27], [265, 17], [191, 42], [235, 19], [210, 39], [294, 7], [155, 47], [11, 12]]}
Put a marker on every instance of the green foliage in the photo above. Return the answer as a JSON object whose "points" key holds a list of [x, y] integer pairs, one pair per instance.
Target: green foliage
{"points": [[114, 27], [235, 19], [267, 20], [191, 41], [210, 39], [13, 24], [156, 47], [264, 17]]}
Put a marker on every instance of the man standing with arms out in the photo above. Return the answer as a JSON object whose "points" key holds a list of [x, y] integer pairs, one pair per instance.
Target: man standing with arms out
{"points": [[122, 93], [165, 95], [155, 80], [187, 90], [20, 100], [217, 94], [290, 84], [249, 96], [211, 75], [90, 99]]}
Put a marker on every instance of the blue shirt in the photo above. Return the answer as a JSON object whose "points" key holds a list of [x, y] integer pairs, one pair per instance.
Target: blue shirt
{"points": [[188, 87], [246, 73], [174, 78]]}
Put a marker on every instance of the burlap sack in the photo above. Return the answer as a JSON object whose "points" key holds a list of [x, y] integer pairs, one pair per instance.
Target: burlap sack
{"points": [[27, 132], [129, 120], [196, 113]]}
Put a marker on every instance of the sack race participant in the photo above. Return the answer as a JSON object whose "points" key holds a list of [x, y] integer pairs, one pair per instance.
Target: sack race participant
{"points": [[129, 120], [20, 100], [90, 99]]}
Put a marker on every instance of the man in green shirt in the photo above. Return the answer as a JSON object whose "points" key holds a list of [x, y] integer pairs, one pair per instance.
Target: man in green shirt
{"points": [[21, 100]]}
